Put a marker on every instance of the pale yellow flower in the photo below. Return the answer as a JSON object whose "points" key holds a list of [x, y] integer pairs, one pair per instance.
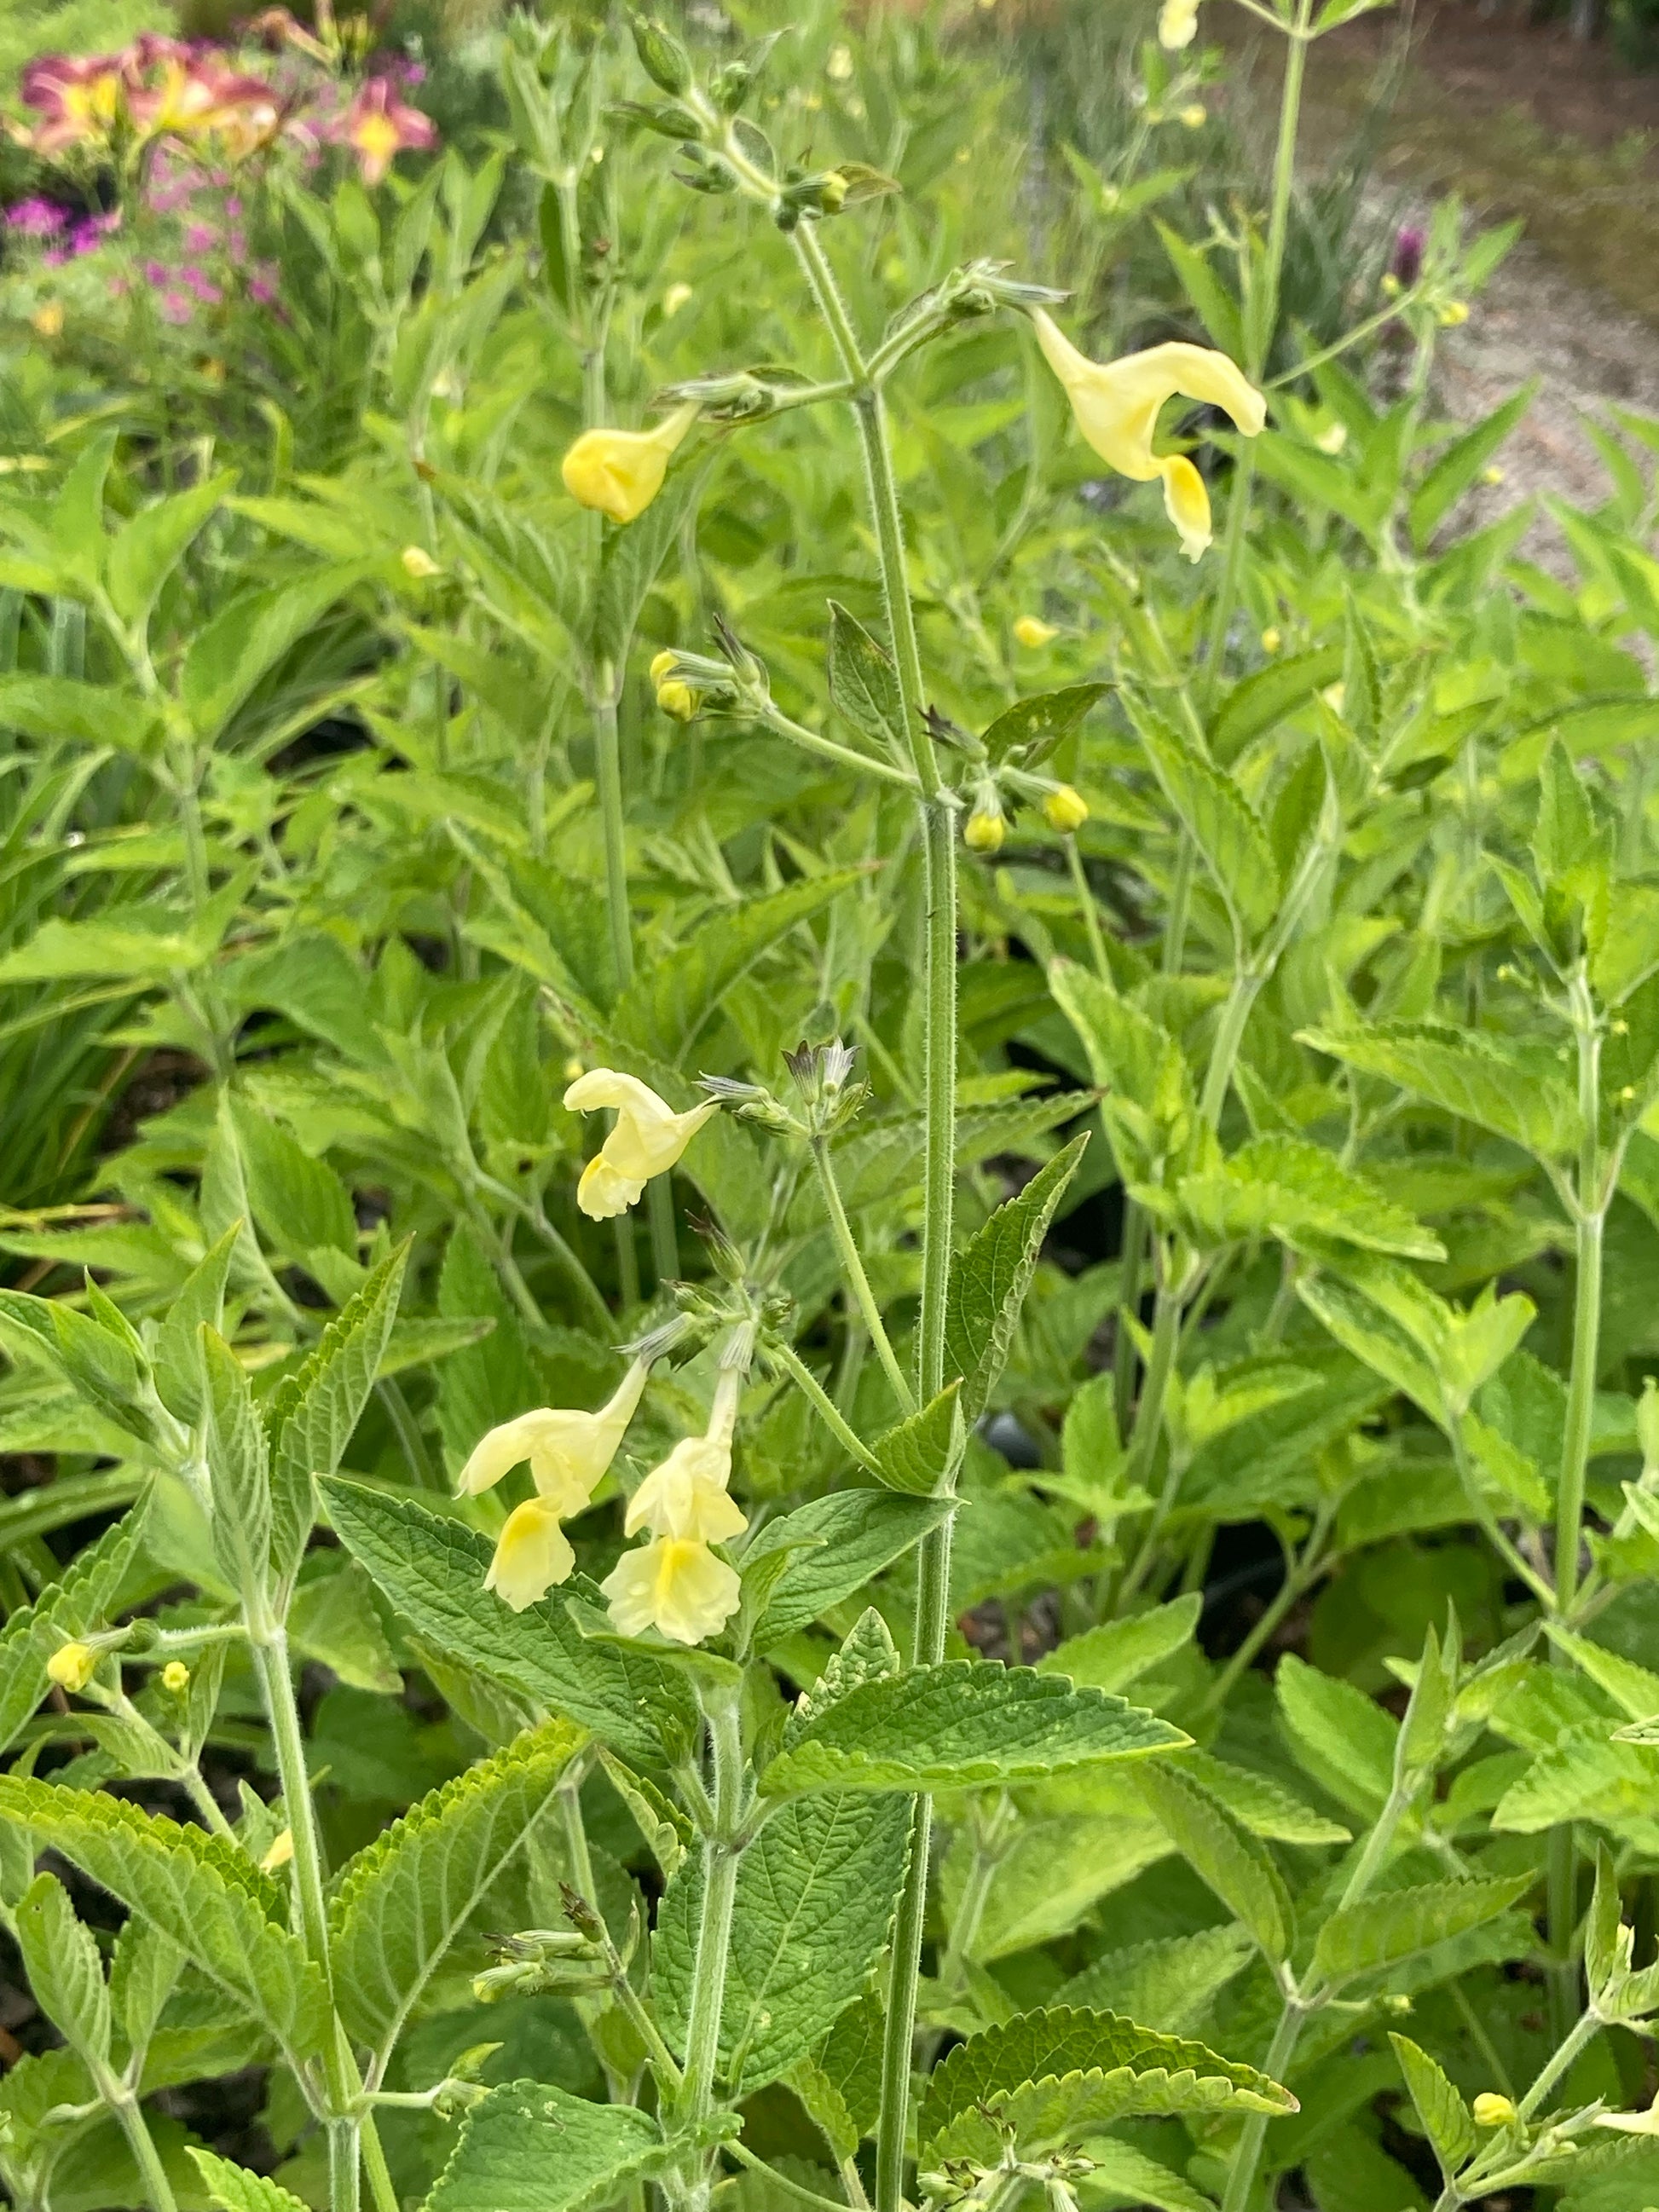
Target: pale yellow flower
{"points": [[675, 298], [1177, 24], [569, 1451], [1491, 2111], [1065, 809], [1194, 116], [71, 1666], [532, 1552], [674, 1584], [620, 472], [647, 1140], [1116, 406], [175, 1676], [1033, 632], [417, 564], [1333, 438], [47, 321], [281, 1851], [686, 1497]]}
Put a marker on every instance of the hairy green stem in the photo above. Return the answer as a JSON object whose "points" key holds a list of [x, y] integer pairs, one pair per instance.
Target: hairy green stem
{"points": [[140, 2141], [1590, 1215], [1583, 2028], [857, 1280], [721, 1849], [818, 1398], [1241, 2177]]}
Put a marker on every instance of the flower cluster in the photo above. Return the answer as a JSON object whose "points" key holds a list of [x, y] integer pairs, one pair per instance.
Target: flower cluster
{"points": [[677, 1583], [63, 233], [191, 93]]}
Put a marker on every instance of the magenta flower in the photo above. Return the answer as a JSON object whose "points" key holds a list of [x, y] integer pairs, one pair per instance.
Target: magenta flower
{"points": [[36, 218], [1406, 263]]}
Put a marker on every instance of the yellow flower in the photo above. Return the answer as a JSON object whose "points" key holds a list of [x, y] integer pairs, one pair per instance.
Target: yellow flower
{"points": [[1271, 640], [686, 1497], [175, 1676], [281, 1851], [1066, 809], [1116, 405], [647, 1140], [417, 564], [675, 298], [1033, 632], [71, 1666], [1454, 312], [839, 67], [47, 321], [1491, 2111], [674, 1584], [1333, 438], [620, 472], [568, 1452], [1195, 116], [532, 1552], [1177, 23], [985, 829], [677, 699], [1494, 474]]}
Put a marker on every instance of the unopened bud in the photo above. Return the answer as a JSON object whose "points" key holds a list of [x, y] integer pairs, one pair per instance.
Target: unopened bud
{"points": [[1066, 809], [72, 1666], [1033, 632], [662, 57], [281, 1851], [1195, 117], [1454, 312], [1491, 2111], [175, 1676], [832, 192], [675, 298], [1271, 640], [985, 829], [417, 564]]}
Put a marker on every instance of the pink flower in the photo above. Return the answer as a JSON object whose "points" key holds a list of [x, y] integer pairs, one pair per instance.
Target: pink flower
{"points": [[79, 99], [89, 235], [200, 238], [177, 307], [36, 218], [378, 126]]}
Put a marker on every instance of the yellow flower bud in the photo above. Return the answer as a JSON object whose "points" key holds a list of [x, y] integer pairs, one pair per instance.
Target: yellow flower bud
{"points": [[1491, 2111], [417, 564], [1390, 286], [1491, 475], [279, 1854], [677, 699], [1454, 312], [47, 321], [175, 1676], [573, 1069], [71, 1666], [620, 472], [832, 192], [1335, 696], [1033, 632], [1066, 809], [985, 831], [1194, 116], [1333, 438], [675, 298], [1271, 640], [839, 67]]}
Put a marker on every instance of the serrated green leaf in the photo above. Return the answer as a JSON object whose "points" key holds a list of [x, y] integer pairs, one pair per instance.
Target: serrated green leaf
{"points": [[864, 685], [1259, 1803], [60, 1956], [919, 1454], [1038, 724], [1294, 1191], [1379, 1930], [1515, 1089], [203, 1892], [312, 1413], [432, 1570], [1462, 462], [990, 1276], [239, 1465], [403, 1900], [232, 2188], [1220, 820], [815, 1894], [1169, 1982], [530, 2147], [146, 550], [1056, 2076], [1224, 1856], [82, 1600], [1446, 2118], [1342, 1737], [848, 1540], [957, 1725], [1116, 1653]]}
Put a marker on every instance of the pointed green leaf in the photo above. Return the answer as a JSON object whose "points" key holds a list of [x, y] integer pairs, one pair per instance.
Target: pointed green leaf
{"points": [[990, 1276], [1379, 1930], [1446, 2118], [847, 1539], [920, 1455], [1224, 1855], [530, 2147]]}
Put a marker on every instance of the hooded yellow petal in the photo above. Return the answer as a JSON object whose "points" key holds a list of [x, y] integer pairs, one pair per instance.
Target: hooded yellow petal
{"points": [[604, 1192], [620, 472], [687, 1496], [532, 1552], [497, 1453], [675, 1585], [572, 1452], [644, 1148], [609, 1086], [1187, 503]]}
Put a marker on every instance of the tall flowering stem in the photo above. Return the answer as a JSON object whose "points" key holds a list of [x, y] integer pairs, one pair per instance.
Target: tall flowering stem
{"points": [[939, 848]]}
